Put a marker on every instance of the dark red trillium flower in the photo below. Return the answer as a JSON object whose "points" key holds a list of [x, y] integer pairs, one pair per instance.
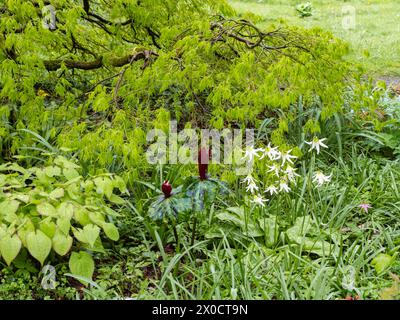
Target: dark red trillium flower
{"points": [[166, 189], [203, 159]]}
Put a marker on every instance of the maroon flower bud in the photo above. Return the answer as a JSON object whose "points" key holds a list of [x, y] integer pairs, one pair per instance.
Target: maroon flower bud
{"points": [[203, 159], [166, 189]]}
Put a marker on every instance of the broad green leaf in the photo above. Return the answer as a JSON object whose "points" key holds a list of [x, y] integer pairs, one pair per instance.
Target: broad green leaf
{"points": [[39, 245], [8, 208], [381, 262], [46, 209], [70, 173], [116, 199], [111, 231], [48, 227], [104, 186], [298, 234], [96, 218], [62, 243], [64, 224], [82, 216], [26, 228], [66, 210], [88, 234], [81, 264], [57, 193], [52, 171], [10, 247]]}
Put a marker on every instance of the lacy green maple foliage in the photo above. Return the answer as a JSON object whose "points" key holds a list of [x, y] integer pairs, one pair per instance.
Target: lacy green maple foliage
{"points": [[106, 71]]}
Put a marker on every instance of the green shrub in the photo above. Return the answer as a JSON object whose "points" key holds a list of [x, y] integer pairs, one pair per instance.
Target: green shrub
{"points": [[54, 208]]}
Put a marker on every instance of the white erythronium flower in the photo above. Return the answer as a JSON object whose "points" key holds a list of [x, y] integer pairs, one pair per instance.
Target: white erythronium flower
{"points": [[271, 153], [316, 144], [320, 178], [271, 190], [250, 153], [291, 173], [283, 186], [259, 200], [286, 156], [249, 180], [252, 187], [274, 168]]}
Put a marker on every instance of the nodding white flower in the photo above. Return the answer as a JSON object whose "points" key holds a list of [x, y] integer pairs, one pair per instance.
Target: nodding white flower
{"points": [[259, 200], [274, 168], [291, 173], [249, 180], [286, 156], [250, 153], [316, 144], [272, 153], [320, 178], [252, 187], [271, 190], [283, 186]]}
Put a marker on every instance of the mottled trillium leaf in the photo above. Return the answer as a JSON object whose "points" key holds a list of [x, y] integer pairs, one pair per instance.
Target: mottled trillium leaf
{"points": [[169, 207], [10, 247]]}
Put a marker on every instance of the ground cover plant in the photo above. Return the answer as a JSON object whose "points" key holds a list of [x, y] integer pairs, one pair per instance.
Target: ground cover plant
{"points": [[109, 191]]}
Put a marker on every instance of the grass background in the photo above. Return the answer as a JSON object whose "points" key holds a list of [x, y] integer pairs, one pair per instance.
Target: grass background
{"points": [[375, 41]]}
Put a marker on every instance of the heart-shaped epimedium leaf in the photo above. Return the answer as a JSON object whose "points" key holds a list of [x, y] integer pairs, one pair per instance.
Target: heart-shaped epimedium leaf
{"points": [[62, 243], [104, 186], [57, 193], [96, 218], [64, 224], [26, 227], [82, 216], [70, 173], [8, 208], [10, 247], [66, 210], [39, 245], [46, 209], [111, 231], [52, 171], [81, 264], [48, 227], [116, 199], [88, 234]]}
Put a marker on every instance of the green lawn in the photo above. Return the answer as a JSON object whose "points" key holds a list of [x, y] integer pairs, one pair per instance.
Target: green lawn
{"points": [[375, 40]]}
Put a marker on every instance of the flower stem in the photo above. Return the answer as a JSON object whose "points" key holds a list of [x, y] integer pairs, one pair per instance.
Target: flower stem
{"points": [[193, 230]]}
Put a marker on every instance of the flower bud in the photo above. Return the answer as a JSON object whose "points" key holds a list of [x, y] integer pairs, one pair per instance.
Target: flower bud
{"points": [[166, 189], [203, 159]]}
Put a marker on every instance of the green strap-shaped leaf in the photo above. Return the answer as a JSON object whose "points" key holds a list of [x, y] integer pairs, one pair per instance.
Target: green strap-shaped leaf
{"points": [[39, 245], [10, 247]]}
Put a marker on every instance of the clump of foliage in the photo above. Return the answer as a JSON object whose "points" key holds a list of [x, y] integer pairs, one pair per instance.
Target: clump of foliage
{"points": [[304, 9], [106, 72], [53, 208]]}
